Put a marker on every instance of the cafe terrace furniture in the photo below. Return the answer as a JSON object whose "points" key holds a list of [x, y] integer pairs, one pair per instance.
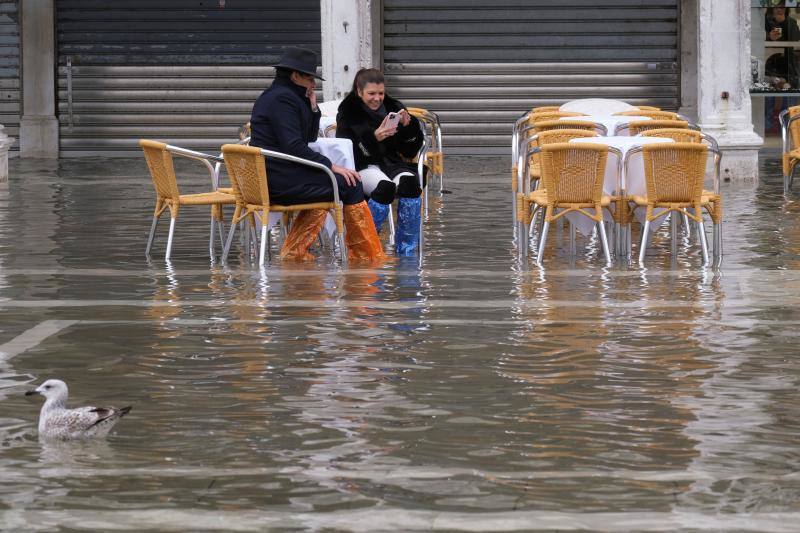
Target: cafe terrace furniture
{"points": [[162, 171]]}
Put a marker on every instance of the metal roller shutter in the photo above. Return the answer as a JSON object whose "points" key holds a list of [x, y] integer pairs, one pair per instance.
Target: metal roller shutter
{"points": [[181, 71], [9, 70], [480, 64]]}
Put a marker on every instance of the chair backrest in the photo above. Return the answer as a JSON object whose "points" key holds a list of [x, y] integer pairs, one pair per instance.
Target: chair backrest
{"points": [[665, 115], [562, 136], [330, 130], [542, 109], [648, 108], [681, 135], [674, 172], [551, 115], [570, 124], [162, 170], [248, 171], [244, 131], [638, 126], [574, 173]]}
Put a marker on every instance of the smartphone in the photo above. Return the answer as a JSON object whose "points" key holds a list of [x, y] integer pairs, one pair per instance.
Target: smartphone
{"points": [[392, 120]]}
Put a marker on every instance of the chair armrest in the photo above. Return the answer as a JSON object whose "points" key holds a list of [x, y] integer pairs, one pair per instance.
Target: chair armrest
{"points": [[308, 163], [203, 158]]}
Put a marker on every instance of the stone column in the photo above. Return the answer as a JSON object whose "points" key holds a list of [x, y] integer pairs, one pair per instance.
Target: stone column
{"points": [[723, 81], [347, 43], [38, 124]]}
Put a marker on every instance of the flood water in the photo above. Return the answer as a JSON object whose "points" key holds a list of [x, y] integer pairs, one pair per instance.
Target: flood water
{"points": [[462, 394]]}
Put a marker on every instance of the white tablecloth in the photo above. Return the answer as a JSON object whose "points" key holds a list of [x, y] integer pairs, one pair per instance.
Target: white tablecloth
{"points": [[633, 182], [609, 121], [339, 151], [599, 106]]}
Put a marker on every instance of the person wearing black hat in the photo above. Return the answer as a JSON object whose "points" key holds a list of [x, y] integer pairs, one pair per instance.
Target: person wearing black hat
{"points": [[285, 119]]}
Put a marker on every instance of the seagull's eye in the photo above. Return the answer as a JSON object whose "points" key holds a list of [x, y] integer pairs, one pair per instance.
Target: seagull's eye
{"points": [[47, 386]]}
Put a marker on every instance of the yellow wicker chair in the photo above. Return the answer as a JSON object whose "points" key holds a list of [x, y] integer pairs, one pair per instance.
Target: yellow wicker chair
{"points": [[663, 115], [159, 160], [544, 108], [648, 108], [247, 168], [638, 126], [541, 139], [434, 155], [569, 124], [674, 175], [681, 135], [790, 133], [572, 175]]}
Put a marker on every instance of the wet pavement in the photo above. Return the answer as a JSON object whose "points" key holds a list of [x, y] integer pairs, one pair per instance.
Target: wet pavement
{"points": [[466, 393]]}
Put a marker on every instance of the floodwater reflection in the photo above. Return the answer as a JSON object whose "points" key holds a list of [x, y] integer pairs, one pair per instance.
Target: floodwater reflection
{"points": [[462, 391]]}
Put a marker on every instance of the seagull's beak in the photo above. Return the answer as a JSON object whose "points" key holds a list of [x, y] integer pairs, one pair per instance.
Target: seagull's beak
{"points": [[31, 392]]}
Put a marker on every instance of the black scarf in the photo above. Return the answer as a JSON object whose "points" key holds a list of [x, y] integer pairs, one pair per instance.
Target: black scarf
{"points": [[375, 117]]}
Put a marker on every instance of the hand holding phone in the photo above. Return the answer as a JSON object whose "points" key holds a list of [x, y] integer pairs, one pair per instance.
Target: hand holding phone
{"points": [[391, 121]]}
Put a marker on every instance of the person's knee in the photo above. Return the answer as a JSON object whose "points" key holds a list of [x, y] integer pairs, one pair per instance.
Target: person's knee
{"points": [[384, 192], [408, 186], [351, 194]]}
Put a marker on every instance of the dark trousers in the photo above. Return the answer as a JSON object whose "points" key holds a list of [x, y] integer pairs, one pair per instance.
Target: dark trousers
{"points": [[296, 184]]}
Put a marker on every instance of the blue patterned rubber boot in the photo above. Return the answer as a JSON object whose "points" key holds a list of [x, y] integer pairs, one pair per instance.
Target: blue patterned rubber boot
{"points": [[408, 222], [379, 213]]}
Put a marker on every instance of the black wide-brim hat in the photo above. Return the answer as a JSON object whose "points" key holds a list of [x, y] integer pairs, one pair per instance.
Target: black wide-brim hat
{"points": [[300, 59]]}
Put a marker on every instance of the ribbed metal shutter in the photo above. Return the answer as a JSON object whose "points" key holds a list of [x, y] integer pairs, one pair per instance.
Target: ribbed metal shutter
{"points": [[481, 63], [181, 71], [9, 70]]}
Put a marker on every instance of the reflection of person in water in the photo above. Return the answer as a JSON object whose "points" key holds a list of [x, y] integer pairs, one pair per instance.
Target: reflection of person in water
{"points": [[779, 26]]}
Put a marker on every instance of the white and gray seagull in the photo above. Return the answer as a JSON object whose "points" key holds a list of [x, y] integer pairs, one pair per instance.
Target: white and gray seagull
{"points": [[56, 422]]}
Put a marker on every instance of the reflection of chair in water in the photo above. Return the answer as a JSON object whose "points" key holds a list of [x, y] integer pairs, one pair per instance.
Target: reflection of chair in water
{"points": [[247, 170], [573, 176], [159, 160]]}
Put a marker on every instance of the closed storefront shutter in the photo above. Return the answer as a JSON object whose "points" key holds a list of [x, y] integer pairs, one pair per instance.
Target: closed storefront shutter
{"points": [[184, 72], [480, 64], [9, 70]]}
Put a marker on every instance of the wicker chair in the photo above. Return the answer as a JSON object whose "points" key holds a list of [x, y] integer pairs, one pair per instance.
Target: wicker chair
{"points": [[648, 108], [159, 160], [790, 134], [248, 170], [569, 124], [434, 155], [572, 175], [662, 115], [674, 175], [638, 126], [541, 139]]}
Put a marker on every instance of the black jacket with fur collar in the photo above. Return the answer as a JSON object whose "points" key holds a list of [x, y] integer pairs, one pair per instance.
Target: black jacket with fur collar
{"points": [[353, 122]]}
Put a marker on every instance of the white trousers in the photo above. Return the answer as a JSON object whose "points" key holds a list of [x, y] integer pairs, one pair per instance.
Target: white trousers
{"points": [[372, 175]]}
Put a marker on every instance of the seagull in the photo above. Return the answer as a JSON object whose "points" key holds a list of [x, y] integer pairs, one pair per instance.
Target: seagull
{"points": [[56, 422]]}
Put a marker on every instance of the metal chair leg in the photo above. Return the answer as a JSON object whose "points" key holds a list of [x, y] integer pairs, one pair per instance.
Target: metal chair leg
{"points": [[687, 226], [169, 238], [151, 237], [572, 247], [263, 248], [717, 242], [673, 223], [390, 219], [226, 250], [703, 241], [604, 240], [643, 247], [542, 243], [211, 240]]}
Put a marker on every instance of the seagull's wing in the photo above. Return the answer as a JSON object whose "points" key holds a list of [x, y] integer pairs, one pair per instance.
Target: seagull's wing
{"points": [[83, 422]]}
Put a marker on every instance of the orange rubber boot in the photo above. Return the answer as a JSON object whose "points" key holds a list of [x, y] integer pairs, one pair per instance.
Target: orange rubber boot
{"points": [[362, 240], [303, 233]]}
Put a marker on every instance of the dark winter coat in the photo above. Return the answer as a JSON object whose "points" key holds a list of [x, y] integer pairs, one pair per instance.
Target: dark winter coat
{"points": [[282, 120], [354, 123]]}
